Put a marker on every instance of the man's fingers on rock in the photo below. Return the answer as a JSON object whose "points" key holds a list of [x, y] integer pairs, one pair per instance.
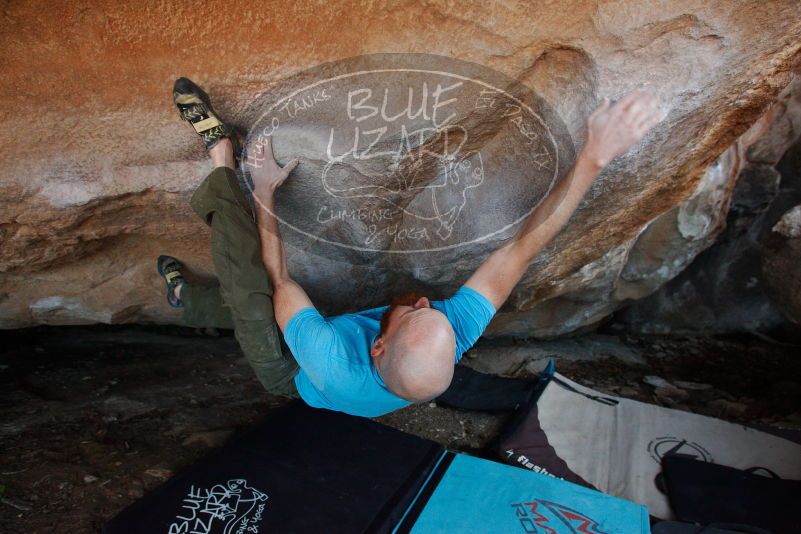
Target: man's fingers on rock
{"points": [[289, 167], [637, 100], [653, 120], [625, 103], [643, 108], [268, 146], [646, 124], [645, 105], [636, 108], [654, 115], [643, 114]]}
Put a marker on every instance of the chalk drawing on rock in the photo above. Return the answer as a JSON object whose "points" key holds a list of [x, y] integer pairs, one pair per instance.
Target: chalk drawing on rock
{"points": [[409, 154]]}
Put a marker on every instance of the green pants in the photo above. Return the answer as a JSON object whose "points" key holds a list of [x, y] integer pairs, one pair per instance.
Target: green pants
{"points": [[243, 300]]}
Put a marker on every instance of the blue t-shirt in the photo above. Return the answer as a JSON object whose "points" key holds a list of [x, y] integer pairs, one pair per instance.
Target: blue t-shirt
{"points": [[336, 370]]}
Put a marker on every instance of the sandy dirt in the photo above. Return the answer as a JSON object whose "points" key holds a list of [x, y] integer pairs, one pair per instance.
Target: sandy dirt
{"points": [[94, 417]]}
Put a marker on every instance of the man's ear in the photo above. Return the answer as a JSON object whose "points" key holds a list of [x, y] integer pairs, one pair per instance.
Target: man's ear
{"points": [[378, 347]]}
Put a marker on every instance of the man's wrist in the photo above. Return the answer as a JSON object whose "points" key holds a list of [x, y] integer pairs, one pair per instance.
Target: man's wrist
{"points": [[591, 159], [264, 193]]}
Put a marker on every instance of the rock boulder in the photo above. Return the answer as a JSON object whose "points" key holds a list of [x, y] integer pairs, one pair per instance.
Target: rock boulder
{"points": [[781, 262], [98, 169]]}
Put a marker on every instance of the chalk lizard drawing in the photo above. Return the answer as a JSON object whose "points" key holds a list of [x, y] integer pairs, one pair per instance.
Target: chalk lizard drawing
{"points": [[427, 180]]}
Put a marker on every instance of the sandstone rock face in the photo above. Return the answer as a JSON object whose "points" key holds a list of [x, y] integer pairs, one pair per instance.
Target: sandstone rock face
{"points": [[724, 290], [98, 184], [781, 265]]}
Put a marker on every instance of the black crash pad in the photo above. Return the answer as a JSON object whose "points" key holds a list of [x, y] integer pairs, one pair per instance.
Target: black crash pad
{"points": [[300, 470]]}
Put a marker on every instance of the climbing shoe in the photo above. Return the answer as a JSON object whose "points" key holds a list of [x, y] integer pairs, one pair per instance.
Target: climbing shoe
{"points": [[170, 269], [195, 108]]}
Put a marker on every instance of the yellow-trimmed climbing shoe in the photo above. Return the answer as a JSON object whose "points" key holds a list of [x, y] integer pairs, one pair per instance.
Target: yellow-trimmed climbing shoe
{"points": [[170, 269], [195, 108]]}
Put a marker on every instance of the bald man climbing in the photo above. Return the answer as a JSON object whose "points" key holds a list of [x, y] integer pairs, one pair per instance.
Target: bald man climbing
{"points": [[372, 362]]}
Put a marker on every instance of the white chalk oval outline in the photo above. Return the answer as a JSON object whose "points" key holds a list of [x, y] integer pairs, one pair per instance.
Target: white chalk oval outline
{"points": [[417, 251]]}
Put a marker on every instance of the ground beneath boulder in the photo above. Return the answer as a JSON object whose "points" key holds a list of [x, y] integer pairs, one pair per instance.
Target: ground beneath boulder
{"points": [[93, 417]]}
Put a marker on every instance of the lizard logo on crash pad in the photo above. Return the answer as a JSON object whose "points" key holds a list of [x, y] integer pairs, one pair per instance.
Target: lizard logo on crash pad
{"points": [[230, 508], [541, 516]]}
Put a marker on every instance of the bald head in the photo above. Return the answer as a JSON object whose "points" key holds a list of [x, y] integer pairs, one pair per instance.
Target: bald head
{"points": [[418, 359]]}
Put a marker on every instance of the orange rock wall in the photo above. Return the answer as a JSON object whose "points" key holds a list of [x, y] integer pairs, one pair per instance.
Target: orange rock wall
{"points": [[98, 169]]}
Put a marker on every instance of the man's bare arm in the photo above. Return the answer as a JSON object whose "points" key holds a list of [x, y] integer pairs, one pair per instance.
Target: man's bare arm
{"points": [[288, 296], [611, 131]]}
